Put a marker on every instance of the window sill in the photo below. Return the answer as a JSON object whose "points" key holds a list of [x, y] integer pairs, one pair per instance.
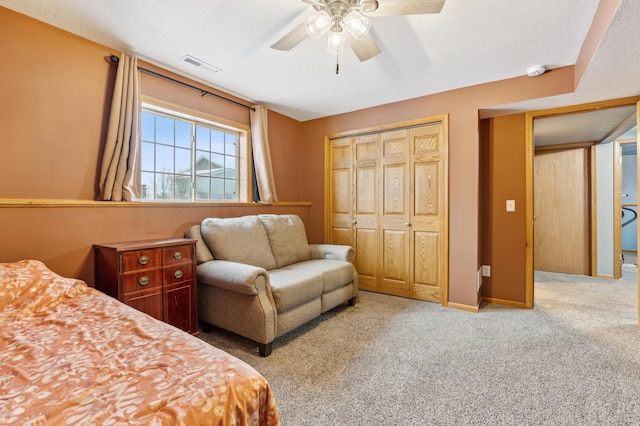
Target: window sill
{"points": [[42, 202]]}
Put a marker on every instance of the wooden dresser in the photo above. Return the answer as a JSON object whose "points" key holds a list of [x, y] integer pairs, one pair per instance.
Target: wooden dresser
{"points": [[157, 277]]}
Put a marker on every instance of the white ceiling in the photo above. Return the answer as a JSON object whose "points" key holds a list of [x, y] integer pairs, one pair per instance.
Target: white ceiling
{"points": [[468, 43]]}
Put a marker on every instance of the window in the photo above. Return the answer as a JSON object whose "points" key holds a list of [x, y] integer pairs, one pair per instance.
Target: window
{"points": [[189, 158]]}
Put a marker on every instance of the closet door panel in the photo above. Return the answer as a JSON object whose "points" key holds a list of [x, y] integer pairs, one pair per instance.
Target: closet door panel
{"points": [[341, 192], [365, 218], [427, 212], [395, 213]]}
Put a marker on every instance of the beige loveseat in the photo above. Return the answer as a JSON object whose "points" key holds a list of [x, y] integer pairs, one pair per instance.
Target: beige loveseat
{"points": [[260, 278]]}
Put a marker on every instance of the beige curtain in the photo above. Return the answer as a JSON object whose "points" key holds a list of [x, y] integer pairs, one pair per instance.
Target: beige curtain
{"points": [[261, 155], [119, 176]]}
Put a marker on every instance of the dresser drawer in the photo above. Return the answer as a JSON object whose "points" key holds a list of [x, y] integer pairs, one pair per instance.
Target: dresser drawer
{"points": [[178, 273], [142, 259], [142, 280], [176, 255]]}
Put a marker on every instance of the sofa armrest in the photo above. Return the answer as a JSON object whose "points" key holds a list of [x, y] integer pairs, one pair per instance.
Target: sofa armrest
{"points": [[237, 277], [332, 251]]}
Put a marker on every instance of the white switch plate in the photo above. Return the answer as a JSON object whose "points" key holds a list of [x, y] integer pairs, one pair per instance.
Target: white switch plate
{"points": [[511, 205], [486, 270]]}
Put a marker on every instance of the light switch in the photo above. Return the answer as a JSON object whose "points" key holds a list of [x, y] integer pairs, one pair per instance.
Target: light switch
{"points": [[511, 205]]}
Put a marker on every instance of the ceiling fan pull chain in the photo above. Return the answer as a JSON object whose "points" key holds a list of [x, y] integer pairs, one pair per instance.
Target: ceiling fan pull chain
{"points": [[337, 64]]}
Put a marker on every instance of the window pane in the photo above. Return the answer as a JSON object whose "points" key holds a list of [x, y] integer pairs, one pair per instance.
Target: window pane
{"points": [[164, 159], [231, 144], [202, 138], [231, 192], [164, 130], [148, 128], [230, 167], [202, 188], [217, 189], [182, 187], [147, 161], [203, 165], [183, 134], [147, 186], [164, 186], [183, 161], [217, 165], [217, 141]]}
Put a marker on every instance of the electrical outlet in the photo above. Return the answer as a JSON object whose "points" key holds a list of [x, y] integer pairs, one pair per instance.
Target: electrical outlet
{"points": [[511, 205], [486, 270]]}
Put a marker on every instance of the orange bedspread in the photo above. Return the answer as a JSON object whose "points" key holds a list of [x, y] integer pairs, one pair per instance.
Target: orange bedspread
{"points": [[71, 355]]}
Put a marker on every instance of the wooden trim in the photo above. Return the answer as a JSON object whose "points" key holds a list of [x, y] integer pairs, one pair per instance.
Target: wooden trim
{"points": [[445, 218], [563, 147], [617, 208], [460, 306], [38, 202], [328, 184], [638, 189], [592, 106], [393, 126], [593, 194], [529, 219], [503, 302]]}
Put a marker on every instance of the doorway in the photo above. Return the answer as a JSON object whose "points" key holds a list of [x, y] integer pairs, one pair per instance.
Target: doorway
{"points": [[559, 115]]}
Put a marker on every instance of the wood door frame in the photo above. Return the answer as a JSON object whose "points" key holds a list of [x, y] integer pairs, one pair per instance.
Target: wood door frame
{"points": [[529, 154], [442, 118]]}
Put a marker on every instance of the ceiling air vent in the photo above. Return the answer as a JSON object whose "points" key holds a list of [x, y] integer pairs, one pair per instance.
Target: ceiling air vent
{"points": [[200, 64]]}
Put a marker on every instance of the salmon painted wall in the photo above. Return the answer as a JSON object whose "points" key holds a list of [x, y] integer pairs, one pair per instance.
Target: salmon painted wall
{"points": [[504, 233], [463, 108], [55, 99]]}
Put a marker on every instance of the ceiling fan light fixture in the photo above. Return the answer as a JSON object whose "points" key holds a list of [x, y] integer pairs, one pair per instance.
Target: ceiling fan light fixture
{"points": [[356, 24], [336, 42], [318, 24]]}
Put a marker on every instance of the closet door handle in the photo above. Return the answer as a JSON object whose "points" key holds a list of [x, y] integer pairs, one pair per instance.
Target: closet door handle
{"points": [[407, 224], [354, 221]]}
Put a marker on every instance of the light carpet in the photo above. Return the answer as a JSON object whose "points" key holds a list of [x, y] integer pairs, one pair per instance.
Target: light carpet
{"points": [[572, 360]]}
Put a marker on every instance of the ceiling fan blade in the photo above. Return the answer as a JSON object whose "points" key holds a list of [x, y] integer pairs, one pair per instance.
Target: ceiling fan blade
{"points": [[407, 7], [291, 39], [365, 48]]}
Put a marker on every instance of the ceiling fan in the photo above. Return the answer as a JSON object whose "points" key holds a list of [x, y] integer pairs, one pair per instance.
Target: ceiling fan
{"points": [[338, 17]]}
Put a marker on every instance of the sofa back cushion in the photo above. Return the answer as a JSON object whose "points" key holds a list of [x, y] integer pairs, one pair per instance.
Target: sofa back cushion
{"points": [[287, 237], [203, 254], [238, 239]]}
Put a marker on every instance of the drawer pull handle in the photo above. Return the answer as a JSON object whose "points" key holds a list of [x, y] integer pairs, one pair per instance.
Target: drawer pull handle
{"points": [[178, 274], [143, 260], [144, 280], [177, 255]]}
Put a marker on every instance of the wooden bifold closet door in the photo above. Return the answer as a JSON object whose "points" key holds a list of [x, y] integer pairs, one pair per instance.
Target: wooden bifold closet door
{"points": [[388, 200]]}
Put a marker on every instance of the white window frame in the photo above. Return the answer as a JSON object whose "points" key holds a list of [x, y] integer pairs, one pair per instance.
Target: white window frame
{"points": [[243, 148]]}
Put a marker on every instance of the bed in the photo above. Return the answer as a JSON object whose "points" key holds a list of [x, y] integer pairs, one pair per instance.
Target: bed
{"points": [[72, 355]]}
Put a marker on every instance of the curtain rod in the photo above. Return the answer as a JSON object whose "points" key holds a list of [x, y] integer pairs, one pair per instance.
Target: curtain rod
{"points": [[114, 59]]}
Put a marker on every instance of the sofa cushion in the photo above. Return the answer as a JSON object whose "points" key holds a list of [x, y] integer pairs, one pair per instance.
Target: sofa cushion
{"points": [[287, 237], [335, 273], [238, 239], [203, 254], [291, 288]]}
